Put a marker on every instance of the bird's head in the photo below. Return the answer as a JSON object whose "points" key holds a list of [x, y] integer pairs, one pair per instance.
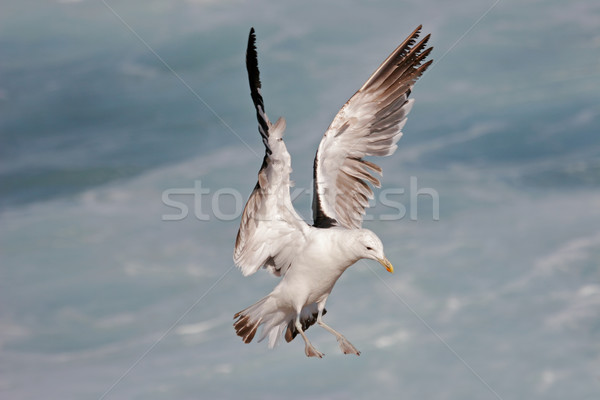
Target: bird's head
{"points": [[370, 246]]}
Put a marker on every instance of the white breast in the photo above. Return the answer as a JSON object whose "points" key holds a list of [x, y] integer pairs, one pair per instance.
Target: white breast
{"points": [[313, 274]]}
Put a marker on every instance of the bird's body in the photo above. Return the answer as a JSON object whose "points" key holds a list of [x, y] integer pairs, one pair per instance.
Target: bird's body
{"points": [[311, 259], [314, 272], [324, 258]]}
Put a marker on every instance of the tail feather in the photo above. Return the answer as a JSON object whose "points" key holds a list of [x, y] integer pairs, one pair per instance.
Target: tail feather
{"points": [[274, 321], [264, 312], [245, 328], [274, 329]]}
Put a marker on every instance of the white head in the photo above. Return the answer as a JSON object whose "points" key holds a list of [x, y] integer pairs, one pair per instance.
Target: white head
{"points": [[368, 245]]}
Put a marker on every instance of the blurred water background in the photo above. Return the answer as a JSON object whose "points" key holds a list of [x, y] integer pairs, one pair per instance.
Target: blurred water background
{"points": [[102, 298]]}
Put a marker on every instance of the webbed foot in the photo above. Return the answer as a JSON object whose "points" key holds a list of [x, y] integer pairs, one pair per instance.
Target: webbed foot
{"points": [[312, 352], [346, 346]]}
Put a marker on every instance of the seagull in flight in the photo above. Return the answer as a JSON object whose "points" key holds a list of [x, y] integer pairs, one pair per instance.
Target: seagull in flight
{"points": [[311, 258]]}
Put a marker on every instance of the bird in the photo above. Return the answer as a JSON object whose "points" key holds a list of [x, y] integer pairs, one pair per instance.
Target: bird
{"points": [[311, 258]]}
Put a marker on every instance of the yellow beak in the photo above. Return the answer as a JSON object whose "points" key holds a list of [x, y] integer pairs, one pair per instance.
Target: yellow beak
{"points": [[387, 264]]}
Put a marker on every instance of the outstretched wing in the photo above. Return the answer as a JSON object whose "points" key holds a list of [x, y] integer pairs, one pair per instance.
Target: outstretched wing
{"points": [[271, 232], [369, 124]]}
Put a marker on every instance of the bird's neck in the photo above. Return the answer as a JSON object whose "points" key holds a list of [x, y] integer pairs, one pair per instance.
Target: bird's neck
{"points": [[346, 246]]}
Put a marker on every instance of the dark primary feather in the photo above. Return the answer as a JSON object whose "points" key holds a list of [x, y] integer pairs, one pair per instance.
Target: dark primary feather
{"points": [[255, 86], [369, 124]]}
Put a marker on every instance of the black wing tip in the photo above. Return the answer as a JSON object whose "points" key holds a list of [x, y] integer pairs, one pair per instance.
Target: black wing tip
{"points": [[424, 54], [252, 37], [251, 41], [424, 67], [251, 49], [415, 34], [252, 68], [255, 86]]}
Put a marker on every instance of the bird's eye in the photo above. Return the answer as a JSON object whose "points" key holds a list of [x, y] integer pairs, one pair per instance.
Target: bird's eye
{"points": [[369, 248]]}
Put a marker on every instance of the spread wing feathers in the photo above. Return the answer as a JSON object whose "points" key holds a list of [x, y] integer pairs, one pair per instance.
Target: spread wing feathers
{"points": [[369, 124], [271, 231]]}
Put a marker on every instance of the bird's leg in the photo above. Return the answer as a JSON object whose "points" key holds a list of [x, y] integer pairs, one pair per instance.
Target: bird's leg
{"points": [[345, 345], [309, 349]]}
